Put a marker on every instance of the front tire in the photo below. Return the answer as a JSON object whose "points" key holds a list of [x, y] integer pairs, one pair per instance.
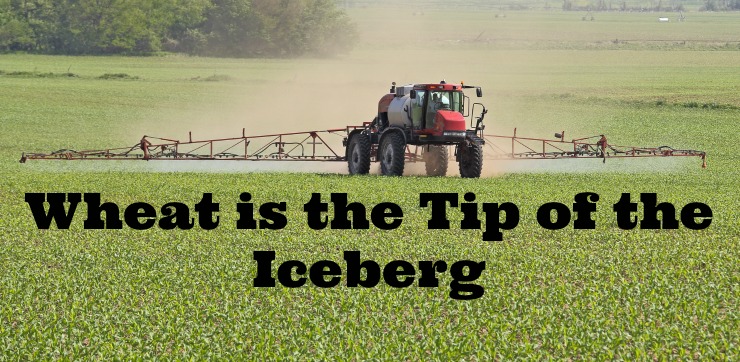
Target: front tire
{"points": [[358, 155], [471, 159], [392, 154], [435, 161]]}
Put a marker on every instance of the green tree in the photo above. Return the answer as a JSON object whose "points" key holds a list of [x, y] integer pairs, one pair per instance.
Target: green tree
{"points": [[231, 29], [236, 28], [123, 26], [328, 30], [276, 28], [15, 34], [23, 24]]}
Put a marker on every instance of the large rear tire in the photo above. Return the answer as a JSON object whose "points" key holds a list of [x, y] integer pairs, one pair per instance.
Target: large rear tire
{"points": [[435, 161], [358, 155], [392, 154], [471, 159]]}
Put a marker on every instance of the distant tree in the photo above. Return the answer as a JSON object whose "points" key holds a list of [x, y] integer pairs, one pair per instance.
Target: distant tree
{"points": [[319, 29], [237, 28], [92, 26], [269, 28], [183, 33], [15, 33], [21, 21], [229, 27], [709, 5]]}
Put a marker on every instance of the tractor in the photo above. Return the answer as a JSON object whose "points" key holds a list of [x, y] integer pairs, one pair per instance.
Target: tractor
{"points": [[428, 116]]}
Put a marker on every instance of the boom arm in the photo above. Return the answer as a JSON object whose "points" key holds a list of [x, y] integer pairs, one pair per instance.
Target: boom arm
{"points": [[318, 146], [515, 147]]}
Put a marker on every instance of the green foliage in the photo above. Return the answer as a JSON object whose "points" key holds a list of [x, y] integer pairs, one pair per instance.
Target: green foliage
{"points": [[27, 74], [16, 32], [262, 28], [714, 5], [267, 28], [15, 35], [117, 76]]}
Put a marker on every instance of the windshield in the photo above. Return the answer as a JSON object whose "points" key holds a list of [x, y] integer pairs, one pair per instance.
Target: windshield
{"points": [[425, 105], [446, 100]]}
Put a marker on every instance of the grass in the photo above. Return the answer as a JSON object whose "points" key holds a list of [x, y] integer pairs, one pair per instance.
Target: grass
{"points": [[585, 294]]}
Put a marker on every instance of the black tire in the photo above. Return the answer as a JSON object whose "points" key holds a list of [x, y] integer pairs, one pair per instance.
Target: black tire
{"points": [[392, 154], [471, 160], [358, 155], [435, 161]]}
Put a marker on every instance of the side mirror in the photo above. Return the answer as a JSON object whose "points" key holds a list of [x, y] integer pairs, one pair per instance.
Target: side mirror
{"points": [[478, 92], [412, 94]]}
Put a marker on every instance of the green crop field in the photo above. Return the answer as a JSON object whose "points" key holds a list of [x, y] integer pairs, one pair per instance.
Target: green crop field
{"points": [[605, 293]]}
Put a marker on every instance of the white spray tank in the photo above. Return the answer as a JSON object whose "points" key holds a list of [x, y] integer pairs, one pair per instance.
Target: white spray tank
{"points": [[399, 110]]}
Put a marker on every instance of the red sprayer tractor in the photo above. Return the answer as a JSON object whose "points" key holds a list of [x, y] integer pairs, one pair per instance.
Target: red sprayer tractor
{"points": [[414, 123], [428, 116]]}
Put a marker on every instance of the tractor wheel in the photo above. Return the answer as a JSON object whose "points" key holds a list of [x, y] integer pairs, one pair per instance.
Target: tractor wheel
{"points": [[471, 160], [435, 160], [392, 154], [358, 155]]}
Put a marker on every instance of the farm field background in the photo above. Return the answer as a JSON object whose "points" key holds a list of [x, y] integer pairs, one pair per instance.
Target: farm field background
{"points": [[604, 293]]}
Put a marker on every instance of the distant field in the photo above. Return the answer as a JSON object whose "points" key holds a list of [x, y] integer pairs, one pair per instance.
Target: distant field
{"points": [[512, 5], [403, 27], [588, 294]]}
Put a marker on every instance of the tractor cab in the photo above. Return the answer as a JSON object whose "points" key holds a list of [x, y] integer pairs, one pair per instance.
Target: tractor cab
{"points": [[434, 111], [438, 109]]}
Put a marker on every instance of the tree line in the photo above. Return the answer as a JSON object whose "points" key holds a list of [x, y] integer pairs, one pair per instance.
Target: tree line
{"points": [[653, 5], [227, 28]]}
